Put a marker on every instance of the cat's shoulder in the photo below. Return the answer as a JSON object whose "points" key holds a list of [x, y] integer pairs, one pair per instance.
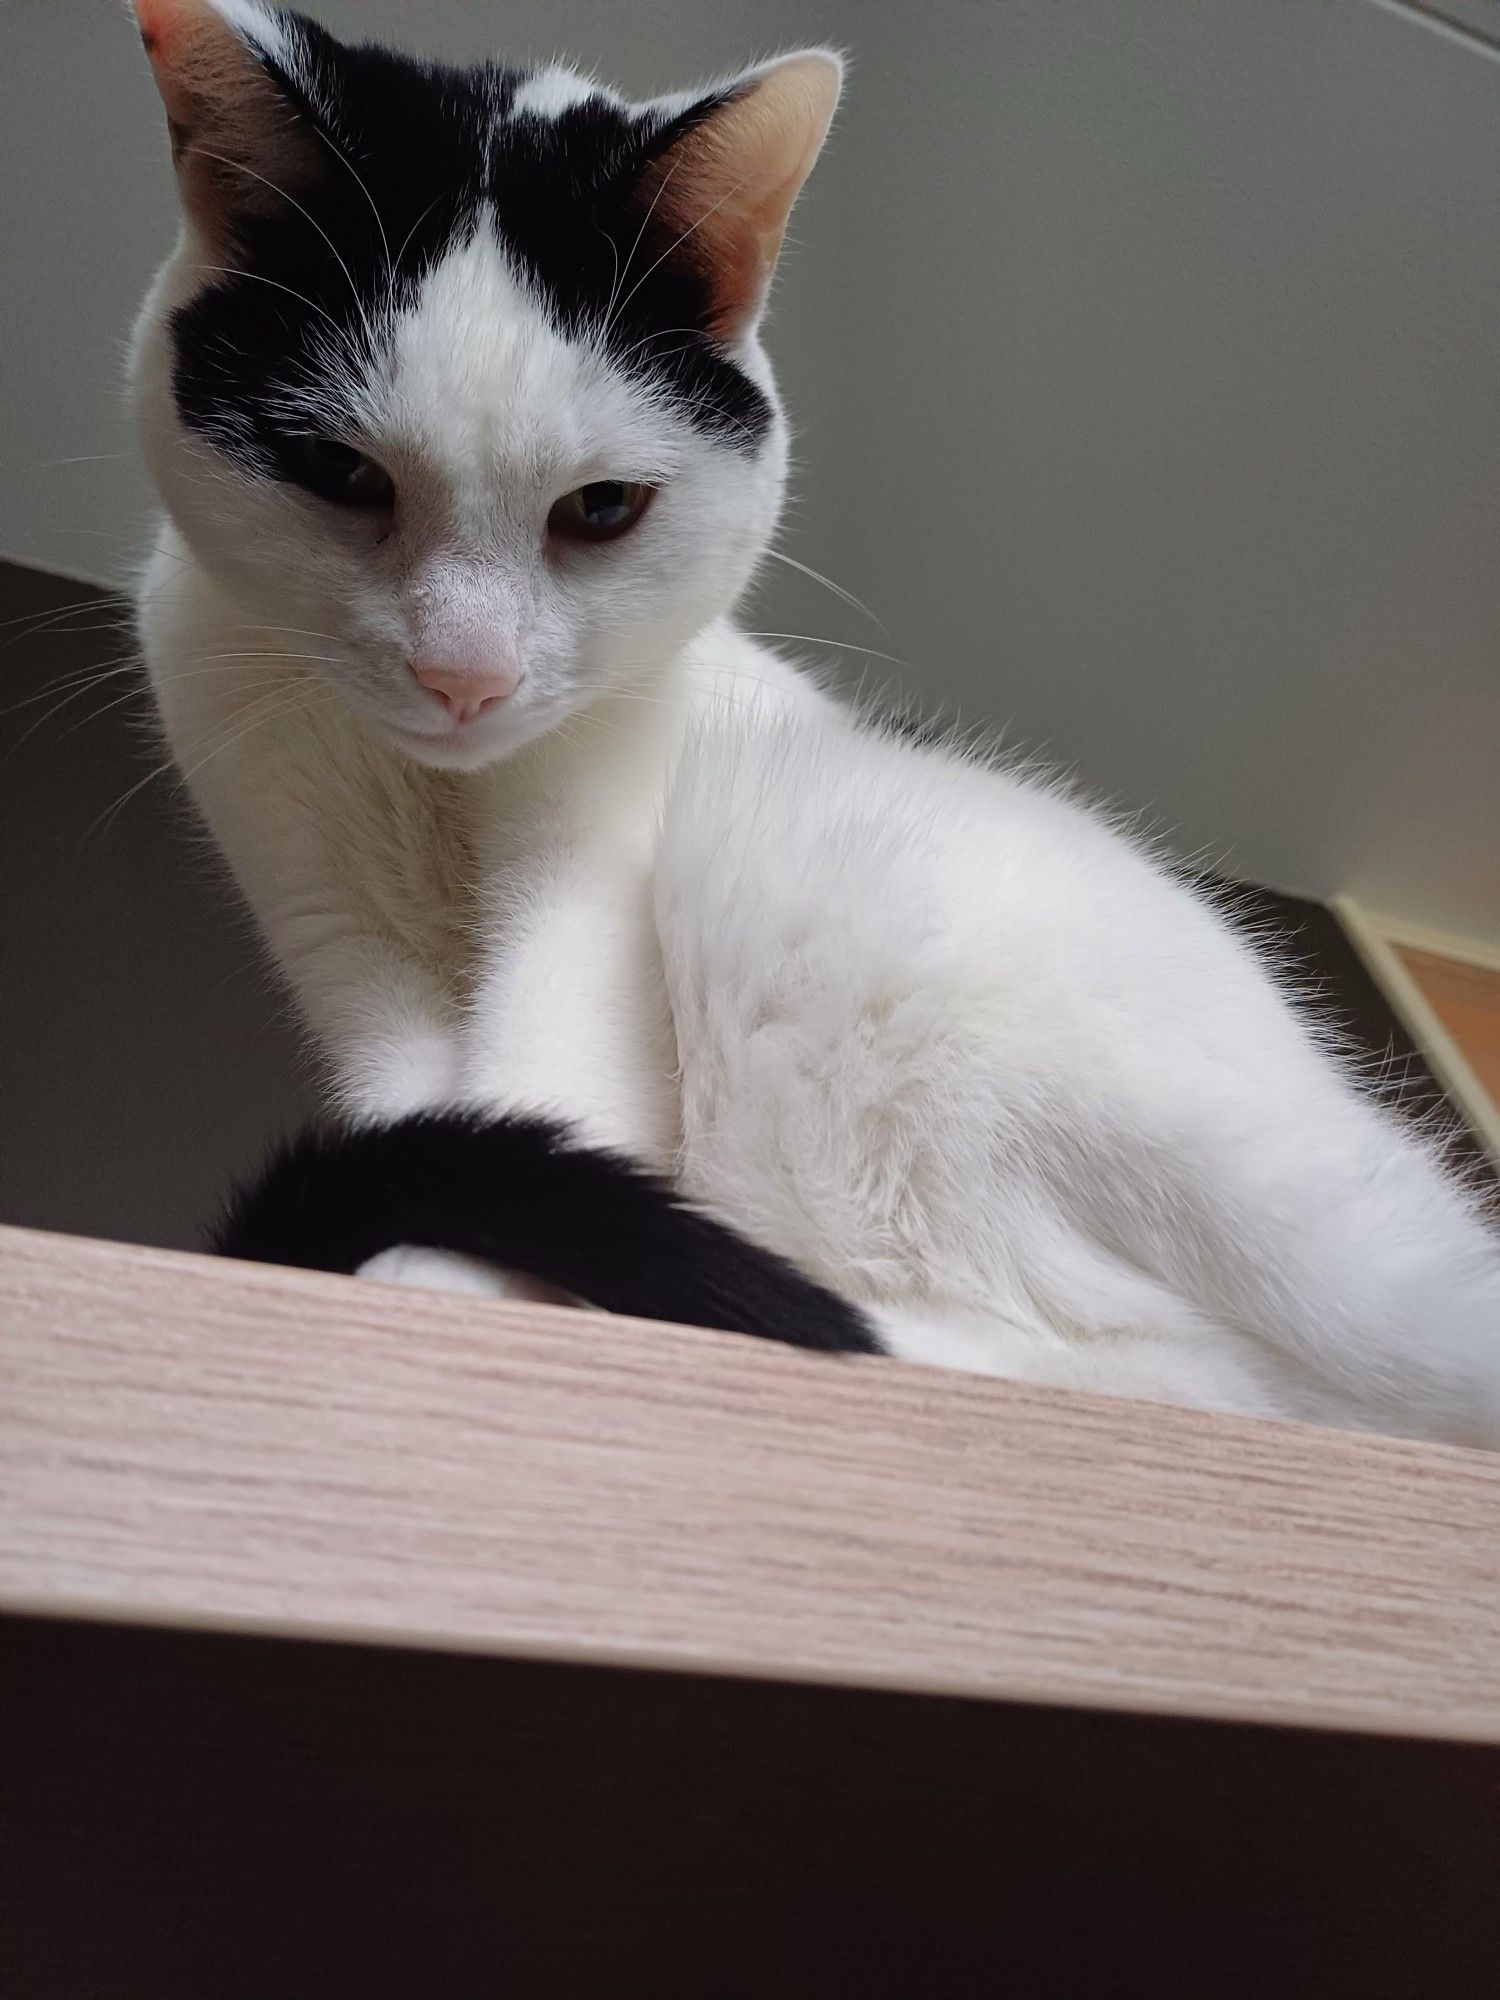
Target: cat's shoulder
{"points": [[736, 676]]}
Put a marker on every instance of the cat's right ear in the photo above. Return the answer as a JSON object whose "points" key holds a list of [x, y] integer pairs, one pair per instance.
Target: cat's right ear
{"points": [[724, 183], [237, 138]]}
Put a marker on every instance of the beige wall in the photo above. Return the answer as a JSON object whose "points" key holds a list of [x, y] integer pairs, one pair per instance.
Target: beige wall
{"points": [[1146, 357]]}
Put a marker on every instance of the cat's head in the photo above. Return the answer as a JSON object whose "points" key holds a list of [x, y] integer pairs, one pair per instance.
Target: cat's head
{"points": [[455, 373]]}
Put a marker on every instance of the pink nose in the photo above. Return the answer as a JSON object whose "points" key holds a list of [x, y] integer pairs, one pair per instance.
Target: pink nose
{"points": [[466, 688]]}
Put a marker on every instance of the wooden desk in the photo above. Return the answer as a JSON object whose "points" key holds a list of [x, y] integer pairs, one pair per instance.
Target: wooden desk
{"points": [[364, 1641]]}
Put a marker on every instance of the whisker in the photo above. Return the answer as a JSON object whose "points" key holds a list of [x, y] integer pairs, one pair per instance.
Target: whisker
{"points": [[406, 239], [228, 271], [83, 682], [37, 622], [828, 583], [292, 632], [280, 653], [238, 166], [140, 693], [83, 458], [77, 681], [843, 645], [359, 180], [708, 213], [609, 310], [614, 251], [269, 708], [660, 333], [41, 721]]}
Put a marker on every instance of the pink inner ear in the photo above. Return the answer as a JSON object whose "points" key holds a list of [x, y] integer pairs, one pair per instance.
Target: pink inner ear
{"points": [[713, 218], [155, 19], [194, 55], [726, 188], [161, 24], [236, 141], [169, 28]]}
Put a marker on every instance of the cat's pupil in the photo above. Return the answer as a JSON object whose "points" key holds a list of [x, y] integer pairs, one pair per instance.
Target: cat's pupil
{"points": [[599, 512], [337, 472], [339, 458], [605, 503]]}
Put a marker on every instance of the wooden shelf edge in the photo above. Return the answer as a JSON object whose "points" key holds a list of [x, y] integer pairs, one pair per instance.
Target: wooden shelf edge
{"points": [[187, 1442]]}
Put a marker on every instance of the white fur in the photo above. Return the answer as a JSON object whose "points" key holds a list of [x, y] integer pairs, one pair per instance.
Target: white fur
{"points": [[547, 93], [963, 1051], [260, 26], [450, 1271], [940, 1034]]}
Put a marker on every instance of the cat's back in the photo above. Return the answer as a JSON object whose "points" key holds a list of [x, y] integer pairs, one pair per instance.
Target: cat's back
{"points": [[831, 895], [792, 811]]}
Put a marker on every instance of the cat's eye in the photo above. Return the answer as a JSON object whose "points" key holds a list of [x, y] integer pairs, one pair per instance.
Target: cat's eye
{"points": [[602, 511], [337, 472]]}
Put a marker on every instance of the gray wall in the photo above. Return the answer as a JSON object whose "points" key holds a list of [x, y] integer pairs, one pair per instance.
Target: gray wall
{"points": [[1146, 355], [145, 1057]]}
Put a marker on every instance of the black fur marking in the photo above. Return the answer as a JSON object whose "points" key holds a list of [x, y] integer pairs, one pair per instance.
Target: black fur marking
{"points": [[437, 148], [519, 1192]]}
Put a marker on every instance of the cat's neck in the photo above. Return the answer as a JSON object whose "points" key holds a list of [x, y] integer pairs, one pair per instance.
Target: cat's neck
{"points": [[608, 766]]}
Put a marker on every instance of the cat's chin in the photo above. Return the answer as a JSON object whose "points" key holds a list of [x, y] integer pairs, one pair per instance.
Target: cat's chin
{"points": [[470, 748]]}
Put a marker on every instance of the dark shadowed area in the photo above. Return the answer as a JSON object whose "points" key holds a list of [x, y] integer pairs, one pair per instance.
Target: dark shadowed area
{"points": [[145, 1056]]}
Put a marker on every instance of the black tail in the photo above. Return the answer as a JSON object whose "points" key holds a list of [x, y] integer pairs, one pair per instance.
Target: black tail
{"points": [[520, 1192]]}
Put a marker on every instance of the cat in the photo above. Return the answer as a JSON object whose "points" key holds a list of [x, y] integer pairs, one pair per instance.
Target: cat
{"points": [[455, 394]]}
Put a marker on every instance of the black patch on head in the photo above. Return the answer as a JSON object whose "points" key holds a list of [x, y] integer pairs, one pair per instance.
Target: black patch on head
{"points": [[417, 154], [522, 1194]]}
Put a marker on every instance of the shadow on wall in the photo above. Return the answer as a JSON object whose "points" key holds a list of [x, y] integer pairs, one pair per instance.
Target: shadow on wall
{"points": [[143, 1059]]}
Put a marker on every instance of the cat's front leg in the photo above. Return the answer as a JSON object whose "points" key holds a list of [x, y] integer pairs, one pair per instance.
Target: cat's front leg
{"points": [[386, 1029], [570, 1016], [357, 928]]}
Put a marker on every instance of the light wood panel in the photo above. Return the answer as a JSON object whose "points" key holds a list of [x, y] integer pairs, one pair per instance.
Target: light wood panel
{"points": [[1466, 999], [189, 1442], [1445, 992]]}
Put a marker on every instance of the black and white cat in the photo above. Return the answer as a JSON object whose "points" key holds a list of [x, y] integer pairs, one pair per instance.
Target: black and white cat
{"points": [[454, 391]]}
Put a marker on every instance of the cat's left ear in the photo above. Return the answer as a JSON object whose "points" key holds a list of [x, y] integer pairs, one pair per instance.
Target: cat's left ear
{"points": [[724, 184], [237, 140]]}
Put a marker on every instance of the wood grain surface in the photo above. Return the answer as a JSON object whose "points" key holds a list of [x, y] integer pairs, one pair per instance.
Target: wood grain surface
{"points": [[192, 1443]]}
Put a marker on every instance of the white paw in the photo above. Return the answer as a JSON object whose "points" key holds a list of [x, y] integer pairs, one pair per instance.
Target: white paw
{"points": [[435, 1271], [451, 1271]]}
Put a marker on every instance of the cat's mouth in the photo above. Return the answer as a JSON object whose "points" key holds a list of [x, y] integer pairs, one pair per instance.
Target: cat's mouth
{"points": [[464, 746], [469, 746]]}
